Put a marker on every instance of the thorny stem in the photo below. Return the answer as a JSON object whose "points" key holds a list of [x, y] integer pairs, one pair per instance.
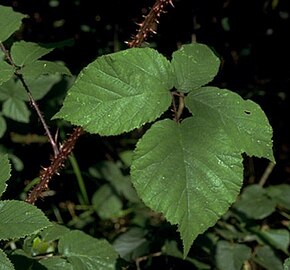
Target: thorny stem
{"points": [[58, 160], [147, 26], [32, 100]]}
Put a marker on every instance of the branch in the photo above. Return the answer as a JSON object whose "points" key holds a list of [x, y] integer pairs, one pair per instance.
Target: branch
{"points": [[147, 26], [32, 100], [57, 163]]}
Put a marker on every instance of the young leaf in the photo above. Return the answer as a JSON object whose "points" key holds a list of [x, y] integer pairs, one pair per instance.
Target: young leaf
{"points": [[243, 120], [86, 252], [10, 21], [5, 263], [235, 254], [194, 66], [24, 53], [16, 109], [42, 67], [119, 92], [6, 72], [192, 175], [3, 126], [19, 219], [5, 170]]}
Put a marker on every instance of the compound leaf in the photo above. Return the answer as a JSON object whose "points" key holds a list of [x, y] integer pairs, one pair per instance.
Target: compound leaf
{"points": [[16, 109], [194, 66], [86, 252], [119, 92], [6, 72], [10, 21], [19, 219]]}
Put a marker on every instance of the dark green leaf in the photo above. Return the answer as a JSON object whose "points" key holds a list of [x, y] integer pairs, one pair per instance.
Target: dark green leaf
{"points": [[16, 109], [119, 92], [286, 264], [194, 173], [56, 263], [53, 232], [24, 53], [5, 263], [39, 68], [87, 253], [132, 244], [106, 203], [6, 72], [3, 126], [266, 257], [280, 194], [254, 203], [5, 170], [194, 66], [10, 21], [19, 219], [243, 120], [230, 256]]}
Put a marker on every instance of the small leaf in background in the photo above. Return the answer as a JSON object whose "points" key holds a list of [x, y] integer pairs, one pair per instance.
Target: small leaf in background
{"points": [[24, 52], [5, 170], [106, 203], [189, 177], [39, 68], [132, 244], [277, 238], [255, 203], [6, 73], [5, 263], [56, 263], [267, 258], [87, 253], [119, 92], [3, 126], [53, 232], [194, 66], [243, 120], [19, 219], [280, 194], [16, 109], [10, 21], [286, 264], [231, 256]]}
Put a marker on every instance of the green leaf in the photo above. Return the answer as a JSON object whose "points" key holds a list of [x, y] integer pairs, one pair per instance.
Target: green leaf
{"points": [[87, 253], [192, 174], [280, 194], [6, 72], [243, 120], [119, 92], [194, 66], [42, 67], [19, 219], [10, 21], [286, 264], [235, 254], [254, 203], [132, 244], [5, 170], [16, 109], [24, 53], [22, 261], [266, 257], [3, 126], [38, 87], [5, 263], [53, 232], [278, 238], [106, 203], [56, 263]]}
